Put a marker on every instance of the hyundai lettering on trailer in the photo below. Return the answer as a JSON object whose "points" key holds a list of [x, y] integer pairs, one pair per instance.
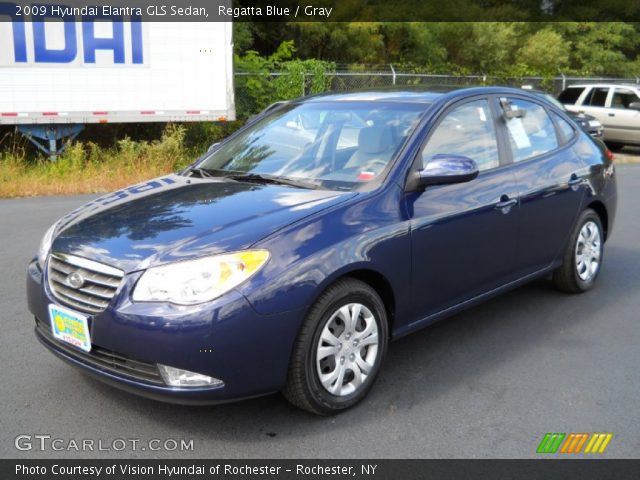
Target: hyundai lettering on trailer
{"points": [[92, 41]]}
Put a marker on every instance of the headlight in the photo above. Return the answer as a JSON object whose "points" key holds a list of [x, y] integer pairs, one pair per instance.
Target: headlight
{"points": [[198, 281], [45, 246], [595, 123]]}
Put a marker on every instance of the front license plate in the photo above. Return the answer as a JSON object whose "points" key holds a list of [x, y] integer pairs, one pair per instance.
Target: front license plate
{"points": [[70, 327]]}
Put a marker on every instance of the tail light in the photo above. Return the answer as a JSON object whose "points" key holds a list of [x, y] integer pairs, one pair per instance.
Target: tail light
{"points": [[609, 155]]}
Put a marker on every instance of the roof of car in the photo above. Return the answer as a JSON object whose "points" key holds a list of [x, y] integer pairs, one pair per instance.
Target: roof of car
{"points": [[420, 94], [603, 85]]}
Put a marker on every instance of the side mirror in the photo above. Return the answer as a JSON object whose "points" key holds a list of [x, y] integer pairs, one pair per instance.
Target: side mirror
{"points": [[443, 169], [212, 146], [634, 105]]}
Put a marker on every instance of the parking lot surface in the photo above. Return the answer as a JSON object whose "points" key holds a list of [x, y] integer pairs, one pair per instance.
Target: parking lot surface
{"points": [[489, 382]]}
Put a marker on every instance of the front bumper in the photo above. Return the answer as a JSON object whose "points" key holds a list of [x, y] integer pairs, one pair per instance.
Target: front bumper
{"points": [[226, 339]]}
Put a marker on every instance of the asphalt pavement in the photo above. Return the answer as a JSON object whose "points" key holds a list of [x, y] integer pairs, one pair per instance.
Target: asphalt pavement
{"points": [[489, 382]]}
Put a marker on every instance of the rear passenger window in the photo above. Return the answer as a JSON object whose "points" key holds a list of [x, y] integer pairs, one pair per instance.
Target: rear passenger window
{"points": [[565, 127], [597, 97], [571, 95], [467, 130], [532, 134]]}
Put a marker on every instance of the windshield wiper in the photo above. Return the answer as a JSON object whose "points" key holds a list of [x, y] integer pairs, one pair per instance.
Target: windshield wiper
{"points": [[258, 178], [203, 172], [208, 173]]}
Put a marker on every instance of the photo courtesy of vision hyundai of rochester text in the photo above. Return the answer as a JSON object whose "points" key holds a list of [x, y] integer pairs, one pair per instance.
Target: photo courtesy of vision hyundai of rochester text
{"points": [[288, 256]]}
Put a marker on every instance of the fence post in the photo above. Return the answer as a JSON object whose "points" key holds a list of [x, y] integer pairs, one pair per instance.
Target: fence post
{"points": [[393, 73], [564, 81]]}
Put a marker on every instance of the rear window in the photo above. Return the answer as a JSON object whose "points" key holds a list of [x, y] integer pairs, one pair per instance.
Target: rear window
{"points": [[565, 127], [570, 95]]}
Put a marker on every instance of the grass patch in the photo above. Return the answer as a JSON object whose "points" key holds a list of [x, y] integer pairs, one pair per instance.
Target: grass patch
{"points": [[85, 167]]}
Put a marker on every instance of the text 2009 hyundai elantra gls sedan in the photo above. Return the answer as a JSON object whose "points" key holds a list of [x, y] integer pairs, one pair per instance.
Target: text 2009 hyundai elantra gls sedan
{"points": [[288, 256]]}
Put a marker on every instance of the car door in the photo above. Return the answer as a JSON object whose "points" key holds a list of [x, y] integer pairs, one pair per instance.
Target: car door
{"points": [[463, 235], [550, 180], [623, 122]]}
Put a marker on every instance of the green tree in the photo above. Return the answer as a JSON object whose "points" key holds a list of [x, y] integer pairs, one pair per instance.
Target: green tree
{"points": [[544, 53], [478, 47], [600, 48]]}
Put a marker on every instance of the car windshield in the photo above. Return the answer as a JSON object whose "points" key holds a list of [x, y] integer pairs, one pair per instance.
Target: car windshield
{"points": [[335, 145]]}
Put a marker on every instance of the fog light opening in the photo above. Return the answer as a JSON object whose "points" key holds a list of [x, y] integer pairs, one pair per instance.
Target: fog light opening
{"points": [[177, 377]]}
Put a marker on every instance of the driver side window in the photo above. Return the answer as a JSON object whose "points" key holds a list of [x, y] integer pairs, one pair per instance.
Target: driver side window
{"points": [[622, 98], [467, 130]]}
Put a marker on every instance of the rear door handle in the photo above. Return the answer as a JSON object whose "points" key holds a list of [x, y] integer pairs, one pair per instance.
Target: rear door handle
{"points": [[506, 203], [575, 182], [612, 114]]}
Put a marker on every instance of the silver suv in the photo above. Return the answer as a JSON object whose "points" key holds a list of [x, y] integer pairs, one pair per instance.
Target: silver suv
{"points": [[617, 106]]}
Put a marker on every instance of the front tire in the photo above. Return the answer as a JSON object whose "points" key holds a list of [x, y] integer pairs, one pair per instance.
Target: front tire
{"points": [[339, 350], [582, 258]]}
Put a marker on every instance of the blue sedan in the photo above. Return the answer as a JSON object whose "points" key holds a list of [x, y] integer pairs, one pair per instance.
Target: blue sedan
{"points": [[289, 255]]}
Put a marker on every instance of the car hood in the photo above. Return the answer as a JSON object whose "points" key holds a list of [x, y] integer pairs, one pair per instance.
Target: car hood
{"points": [[175, 218]]}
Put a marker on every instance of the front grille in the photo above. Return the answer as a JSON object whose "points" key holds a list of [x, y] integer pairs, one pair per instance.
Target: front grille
{"points": [[105, 360], [98, 288]]}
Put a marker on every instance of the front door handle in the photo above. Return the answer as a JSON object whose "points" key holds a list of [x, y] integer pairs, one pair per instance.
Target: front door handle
{"points": [[505, 203], [612, 114]]}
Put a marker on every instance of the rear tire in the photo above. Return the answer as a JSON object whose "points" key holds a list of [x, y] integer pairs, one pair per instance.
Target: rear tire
{"points": [[339, 350], [582, 258]]}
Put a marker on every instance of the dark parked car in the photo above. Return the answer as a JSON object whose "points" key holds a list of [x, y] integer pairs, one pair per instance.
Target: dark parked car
{"points": [[280, 264], [588, 123]]}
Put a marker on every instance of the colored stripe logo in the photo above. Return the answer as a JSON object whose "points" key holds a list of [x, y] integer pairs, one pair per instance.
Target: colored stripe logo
{"points": [[598, 443], [574, 442], [550, 442]]}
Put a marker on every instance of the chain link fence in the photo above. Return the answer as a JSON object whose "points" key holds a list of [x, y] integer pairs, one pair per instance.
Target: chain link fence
{"points": [[348, 80], [344, 81]]}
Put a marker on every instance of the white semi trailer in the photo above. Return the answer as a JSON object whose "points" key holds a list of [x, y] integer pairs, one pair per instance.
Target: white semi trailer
{"points": [[56, 76]]}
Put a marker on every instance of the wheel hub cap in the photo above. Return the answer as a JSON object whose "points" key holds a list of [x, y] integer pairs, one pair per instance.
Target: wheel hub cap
{"points": [[588, 251], [347, 349]]}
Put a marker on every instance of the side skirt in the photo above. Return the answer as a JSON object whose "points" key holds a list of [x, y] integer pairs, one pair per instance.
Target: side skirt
{"points": [[447, 312]]}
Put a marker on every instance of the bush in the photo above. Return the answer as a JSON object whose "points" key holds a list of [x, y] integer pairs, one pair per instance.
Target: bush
{"points": [[259, 88], [85, 167]]}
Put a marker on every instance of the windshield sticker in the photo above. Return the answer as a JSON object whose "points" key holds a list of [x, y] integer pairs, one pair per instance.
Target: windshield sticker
{"points": [[482, 115], [519, 135]]}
